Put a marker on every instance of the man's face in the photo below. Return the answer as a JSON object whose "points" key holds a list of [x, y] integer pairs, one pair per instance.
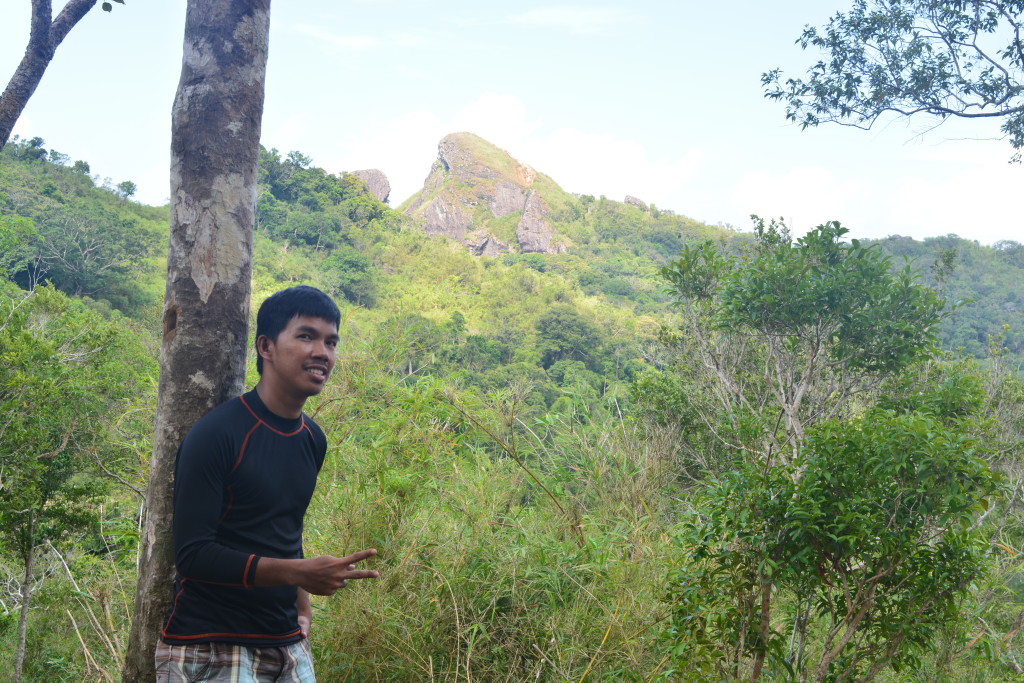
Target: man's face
{"points": [[301, 359]]}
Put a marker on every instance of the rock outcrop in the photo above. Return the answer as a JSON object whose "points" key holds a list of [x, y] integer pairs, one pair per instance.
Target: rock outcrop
{"points": [[376, 182], [533, 232], [508, 198], [638, 203], [446, 218], [483, 243], [474, 184]]}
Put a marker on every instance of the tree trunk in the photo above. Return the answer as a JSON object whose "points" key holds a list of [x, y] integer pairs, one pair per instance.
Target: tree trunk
{"points": [[44, 37], [764, 628], [26, 595], [214, 151]]}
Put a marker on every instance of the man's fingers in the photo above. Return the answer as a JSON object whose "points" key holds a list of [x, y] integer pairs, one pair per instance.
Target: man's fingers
{"points": [[359, 556], [360, 574], [327, 574]]}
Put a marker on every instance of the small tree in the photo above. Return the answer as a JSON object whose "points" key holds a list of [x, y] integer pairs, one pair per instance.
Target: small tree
{"points": [[126, 190], [842, 538], [790, 333], [64, 371], [962, 58], [87, 250], [837, 573]]}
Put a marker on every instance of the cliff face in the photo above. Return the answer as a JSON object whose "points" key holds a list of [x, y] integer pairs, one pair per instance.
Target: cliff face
{"points": [[479, 195]]}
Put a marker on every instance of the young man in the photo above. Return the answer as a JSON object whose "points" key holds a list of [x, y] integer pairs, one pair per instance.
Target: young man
{"points": [[245, 474]]}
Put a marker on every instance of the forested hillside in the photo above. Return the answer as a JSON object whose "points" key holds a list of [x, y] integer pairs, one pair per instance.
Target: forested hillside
{"points": [[655, 449], [987, 280]]}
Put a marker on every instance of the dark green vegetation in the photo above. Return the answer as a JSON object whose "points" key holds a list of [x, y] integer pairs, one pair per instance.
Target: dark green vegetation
{"points": [[86, 240], [652, 455], [984, 280]]}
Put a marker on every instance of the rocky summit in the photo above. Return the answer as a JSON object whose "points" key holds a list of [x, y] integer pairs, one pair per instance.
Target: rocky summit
{"points": [[477, 194]]}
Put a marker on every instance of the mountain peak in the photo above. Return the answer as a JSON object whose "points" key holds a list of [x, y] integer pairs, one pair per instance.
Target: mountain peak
{"points": [[479, 195]]}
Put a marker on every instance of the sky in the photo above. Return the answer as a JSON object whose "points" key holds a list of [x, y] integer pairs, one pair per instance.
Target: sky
{"points": [[658, 99]]}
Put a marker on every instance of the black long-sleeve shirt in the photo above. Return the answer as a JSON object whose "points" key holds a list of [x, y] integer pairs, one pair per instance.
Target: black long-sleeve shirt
{"points": [[243, 480]]}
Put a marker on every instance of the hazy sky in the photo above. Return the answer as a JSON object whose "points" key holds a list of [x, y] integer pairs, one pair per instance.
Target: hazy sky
{"points": [[658, 99]]}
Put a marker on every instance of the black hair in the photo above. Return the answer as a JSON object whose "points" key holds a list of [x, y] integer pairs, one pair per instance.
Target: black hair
{"points": [[277, 311]]}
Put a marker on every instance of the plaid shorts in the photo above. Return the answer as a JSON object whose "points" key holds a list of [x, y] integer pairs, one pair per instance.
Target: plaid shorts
{"points": [[229, 663]]}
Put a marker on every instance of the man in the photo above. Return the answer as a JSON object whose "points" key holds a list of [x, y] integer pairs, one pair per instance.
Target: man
{"points": [[244, 476]]}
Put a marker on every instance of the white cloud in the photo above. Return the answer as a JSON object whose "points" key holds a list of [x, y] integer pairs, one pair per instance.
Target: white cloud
{"points": [[153, 184], [969, 192], [805, 197], [22, 127], [972, 152], [344, 42], [291, 134], [403, 148], [496, 117], [409, 39], [593, 163], [977, 203], [581, 20]]}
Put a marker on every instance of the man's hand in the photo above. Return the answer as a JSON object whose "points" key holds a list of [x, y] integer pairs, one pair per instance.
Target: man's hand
{"points": [[305, 612], [322, 575], [326, 574]]}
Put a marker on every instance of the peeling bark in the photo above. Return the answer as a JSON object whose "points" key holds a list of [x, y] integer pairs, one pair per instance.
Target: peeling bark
{"points": [[214, 149]]}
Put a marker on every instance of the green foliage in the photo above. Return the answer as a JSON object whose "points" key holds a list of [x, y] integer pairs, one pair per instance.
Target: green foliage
{"points": [[841, 536], [984, 279], [67, 378], [87, 241], [563, 334], [845, 297], [350, 273], [306, 205], [81, 605], [126, 189], [64, 372], [16, 234], [938, 57], [87, 250], [864, 547], [28, 150], [789, 332]]}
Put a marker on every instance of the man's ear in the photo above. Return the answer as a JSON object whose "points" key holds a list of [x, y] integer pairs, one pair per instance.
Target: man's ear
{"points": [[263, 344]]}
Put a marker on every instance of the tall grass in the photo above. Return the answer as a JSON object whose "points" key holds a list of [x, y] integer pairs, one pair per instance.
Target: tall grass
{"points": [[512, 547]]}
